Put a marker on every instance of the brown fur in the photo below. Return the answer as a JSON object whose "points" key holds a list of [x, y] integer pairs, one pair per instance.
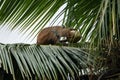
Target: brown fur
{"points": [[52, 35]]}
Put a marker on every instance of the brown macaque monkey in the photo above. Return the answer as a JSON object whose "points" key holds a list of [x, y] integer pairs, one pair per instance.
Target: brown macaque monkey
{"points": [[52, 35]]}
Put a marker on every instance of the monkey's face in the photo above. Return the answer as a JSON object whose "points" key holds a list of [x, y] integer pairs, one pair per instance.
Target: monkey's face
{"points": [[74, 36]]}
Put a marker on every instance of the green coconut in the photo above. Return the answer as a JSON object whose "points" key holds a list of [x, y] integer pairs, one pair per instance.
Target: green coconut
{"points": [[76, 36]]}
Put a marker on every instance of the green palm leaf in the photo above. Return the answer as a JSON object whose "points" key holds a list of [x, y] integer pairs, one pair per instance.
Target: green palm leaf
{"points": [[43, 61], [97, 20]]}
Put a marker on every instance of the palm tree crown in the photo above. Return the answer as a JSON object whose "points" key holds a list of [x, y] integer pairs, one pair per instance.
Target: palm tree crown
{"points": [[97, 20]]}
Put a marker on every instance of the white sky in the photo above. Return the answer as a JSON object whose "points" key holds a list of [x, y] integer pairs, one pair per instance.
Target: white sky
{"points": [[9, 37]]}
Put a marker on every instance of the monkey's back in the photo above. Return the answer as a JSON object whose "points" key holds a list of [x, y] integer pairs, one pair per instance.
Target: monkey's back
{"points": [[48, 35]]}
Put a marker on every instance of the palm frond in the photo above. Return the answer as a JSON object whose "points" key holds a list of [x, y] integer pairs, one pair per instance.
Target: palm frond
{"points": [[27, 15], [97, 20], [43, 61]]}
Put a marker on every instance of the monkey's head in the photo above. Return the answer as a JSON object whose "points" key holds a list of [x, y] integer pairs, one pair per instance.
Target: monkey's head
{"points": [[74, 36]]}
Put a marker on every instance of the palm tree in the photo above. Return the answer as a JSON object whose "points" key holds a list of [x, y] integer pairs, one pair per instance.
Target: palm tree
{"points": [[97, 20]]}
